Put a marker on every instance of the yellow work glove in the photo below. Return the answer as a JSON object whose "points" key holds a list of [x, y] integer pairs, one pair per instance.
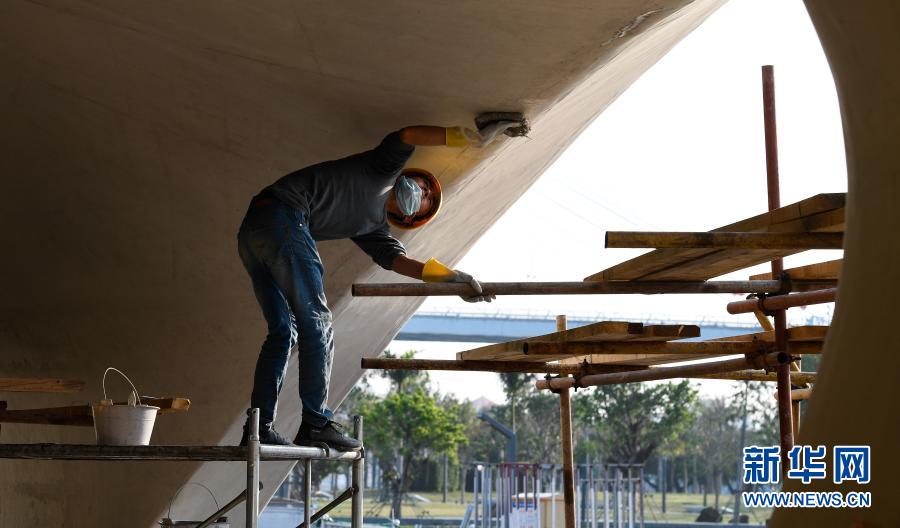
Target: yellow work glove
{"points": [[435, 271]]}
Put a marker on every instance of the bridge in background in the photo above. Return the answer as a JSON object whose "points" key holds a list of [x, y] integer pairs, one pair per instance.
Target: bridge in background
{"points": [[497, 327]]}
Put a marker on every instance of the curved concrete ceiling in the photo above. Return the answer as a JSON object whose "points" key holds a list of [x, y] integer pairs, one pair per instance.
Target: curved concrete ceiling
{"points": [[136, 132]]}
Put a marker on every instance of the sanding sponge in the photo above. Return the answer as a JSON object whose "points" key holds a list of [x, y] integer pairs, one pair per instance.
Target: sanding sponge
{"points": [[486, 118]]}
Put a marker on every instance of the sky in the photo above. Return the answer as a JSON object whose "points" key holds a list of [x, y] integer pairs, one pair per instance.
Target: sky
{"points": [[681, 150]]}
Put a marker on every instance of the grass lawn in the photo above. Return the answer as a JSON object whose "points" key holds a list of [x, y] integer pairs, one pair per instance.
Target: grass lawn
{"points": [[677, 507]]}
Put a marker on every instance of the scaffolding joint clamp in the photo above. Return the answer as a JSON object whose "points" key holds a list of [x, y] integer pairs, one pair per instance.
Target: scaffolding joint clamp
{"points": [[549, 378]]}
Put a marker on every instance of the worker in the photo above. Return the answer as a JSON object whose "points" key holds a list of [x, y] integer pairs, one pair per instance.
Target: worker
{"points": [[356, 197]]}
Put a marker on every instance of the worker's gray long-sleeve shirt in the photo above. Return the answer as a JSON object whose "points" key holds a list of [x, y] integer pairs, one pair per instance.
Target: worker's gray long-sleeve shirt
{"points": [[346, 198]]}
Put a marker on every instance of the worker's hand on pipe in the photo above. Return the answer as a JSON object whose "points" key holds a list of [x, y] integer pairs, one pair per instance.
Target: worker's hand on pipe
{"points": [[463, 137], [479, 296], [436, 271]]}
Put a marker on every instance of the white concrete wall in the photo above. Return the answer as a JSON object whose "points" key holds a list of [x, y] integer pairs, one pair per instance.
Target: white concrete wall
{"points": [[855, 402]]}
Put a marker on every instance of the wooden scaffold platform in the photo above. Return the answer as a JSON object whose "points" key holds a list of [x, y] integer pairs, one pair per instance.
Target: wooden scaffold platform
{"points": [[614, 352]]}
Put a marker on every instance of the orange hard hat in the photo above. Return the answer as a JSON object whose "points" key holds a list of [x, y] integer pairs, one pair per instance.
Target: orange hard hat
{"points": [[423, 218]]}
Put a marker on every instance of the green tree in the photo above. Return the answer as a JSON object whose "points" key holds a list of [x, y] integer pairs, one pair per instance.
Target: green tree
{"points": [[404, 380], [538, 433], [716, 436], [635, 419], [516, 386], [410, 427]]}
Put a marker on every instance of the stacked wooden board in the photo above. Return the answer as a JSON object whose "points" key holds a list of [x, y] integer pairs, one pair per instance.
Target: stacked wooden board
{"points": [[627, 343], [820, 213], [830, 270]]}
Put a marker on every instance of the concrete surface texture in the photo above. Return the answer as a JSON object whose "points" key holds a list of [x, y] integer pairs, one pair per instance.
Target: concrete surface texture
{"points": [[135, 134]]}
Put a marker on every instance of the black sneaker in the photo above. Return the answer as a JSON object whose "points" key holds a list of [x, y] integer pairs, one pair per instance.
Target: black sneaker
{"points": [[332, 435], [267, 436]]}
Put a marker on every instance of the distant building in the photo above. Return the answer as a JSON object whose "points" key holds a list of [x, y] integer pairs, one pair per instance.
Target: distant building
{"points": [[482, 404]]}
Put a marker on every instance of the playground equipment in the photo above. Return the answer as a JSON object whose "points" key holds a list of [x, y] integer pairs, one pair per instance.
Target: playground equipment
{"points": [[520, 495]]}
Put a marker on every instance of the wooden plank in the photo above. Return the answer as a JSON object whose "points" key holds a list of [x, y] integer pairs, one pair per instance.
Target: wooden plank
{"points": [[724, 240], [512, 350], [581, 348], [666, 333], [830, 270], [547, 351], [796, 334], [40, 385], [606, 332], [81, 415], [801, 340], [719, 263], [670, 372], [75, 416], [823, 212], [827, 222]]}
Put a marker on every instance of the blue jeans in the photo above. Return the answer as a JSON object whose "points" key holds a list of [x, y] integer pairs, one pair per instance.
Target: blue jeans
{"points": [[281, 258]]}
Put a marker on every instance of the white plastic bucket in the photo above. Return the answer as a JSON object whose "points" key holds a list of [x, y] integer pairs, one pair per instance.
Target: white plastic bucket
{"points": [[130, 424]]}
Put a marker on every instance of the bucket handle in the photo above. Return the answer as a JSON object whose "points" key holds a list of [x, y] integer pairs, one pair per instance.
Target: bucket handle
{"points": [[136, 394], [186, 484]]}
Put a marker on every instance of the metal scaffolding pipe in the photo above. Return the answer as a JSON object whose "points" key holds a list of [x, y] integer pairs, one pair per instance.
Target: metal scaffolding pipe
{"points": [[797, 378], [423, 289], [489, 366], [780, 302], [659, 373], [785, 420], [565, 429], [717, 240], [252, 507]]}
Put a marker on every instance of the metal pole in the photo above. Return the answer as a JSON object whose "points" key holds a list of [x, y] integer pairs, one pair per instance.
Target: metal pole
{"points": [[307, 491], [785, 421], [719, 240], [225, 509], [605, 496], [579, 498], [475, 474], [253, 470], [505, 491], [593, 487], [568, 472], [781, 302], [796, 367], [484, 491], [618, 497], [490, 496], [630, 491], [565, 429], [661, 476], [740, 480], [422, 289], [462, 484], [356, 473], [641, 493], [553, 496], [444, 486]]}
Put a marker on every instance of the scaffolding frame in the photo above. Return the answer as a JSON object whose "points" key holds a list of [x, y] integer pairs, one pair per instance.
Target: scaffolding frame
{"points": [[253, 454], [771, 292]]}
